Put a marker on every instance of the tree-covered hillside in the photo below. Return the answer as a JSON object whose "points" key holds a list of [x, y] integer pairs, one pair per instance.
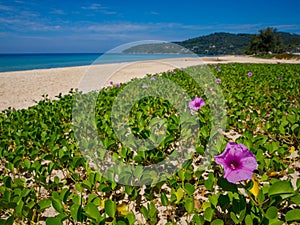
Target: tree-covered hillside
{"points": [[227, 43], [217, 44]]}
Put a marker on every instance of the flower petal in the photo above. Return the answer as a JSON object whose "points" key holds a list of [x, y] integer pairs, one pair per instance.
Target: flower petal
{"points": [[249, 163], [235, 176]]}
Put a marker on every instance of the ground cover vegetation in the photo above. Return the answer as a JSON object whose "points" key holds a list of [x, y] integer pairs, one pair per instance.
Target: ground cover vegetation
{"points": [[44, 178]]}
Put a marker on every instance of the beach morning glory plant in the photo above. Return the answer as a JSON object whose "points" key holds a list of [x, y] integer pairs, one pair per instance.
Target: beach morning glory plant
{"points": [[196, 104], [238, 162]]}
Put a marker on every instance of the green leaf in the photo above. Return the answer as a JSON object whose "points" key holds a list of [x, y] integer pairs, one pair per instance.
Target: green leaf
{"points": [[292, 215], [280, 188], [198, 220], [53, 221], [121, 223], [144, 211], [217, 222], [189, 188], [213, 199], [164, 199], [131, 218], [227, 186], [45, 203], [234, 218], [92, 212], [209, 182], [152, 210], [76, 212], [248, 220], [296, 199], [110, 208], [19, 209], [208, 214], [272, 213], [64, 194], [138, 171], [223, 201], [57, 205], [189, 205], [179, 195]]}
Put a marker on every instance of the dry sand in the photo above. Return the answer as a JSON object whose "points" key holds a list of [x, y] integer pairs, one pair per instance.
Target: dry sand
{"points": [[21, 89]]}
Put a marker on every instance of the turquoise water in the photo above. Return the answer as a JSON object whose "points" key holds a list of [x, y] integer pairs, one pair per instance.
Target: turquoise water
{"points": [[17, 62]]}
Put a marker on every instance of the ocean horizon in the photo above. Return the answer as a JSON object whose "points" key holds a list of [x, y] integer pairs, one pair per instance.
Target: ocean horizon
{"points": [[30, 61]]}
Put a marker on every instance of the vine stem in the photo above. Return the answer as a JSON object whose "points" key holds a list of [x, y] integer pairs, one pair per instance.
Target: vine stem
{"points": [[253, 200]]}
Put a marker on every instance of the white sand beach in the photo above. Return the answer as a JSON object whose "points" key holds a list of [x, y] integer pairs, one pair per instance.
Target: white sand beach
{"points": [[20, 89]]}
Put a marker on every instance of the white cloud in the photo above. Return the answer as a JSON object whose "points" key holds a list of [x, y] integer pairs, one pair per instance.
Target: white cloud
{"points": [[57, 12], [284, 27], [94, 6], [153, 13], [25, 25], [5, 8], [116, 27], [98, 8]]}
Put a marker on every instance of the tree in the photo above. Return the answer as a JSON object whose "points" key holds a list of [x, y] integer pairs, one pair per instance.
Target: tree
{"points": [[268, 40]]}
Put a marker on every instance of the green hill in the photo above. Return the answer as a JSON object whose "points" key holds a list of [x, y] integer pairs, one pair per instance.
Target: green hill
{"points": [[215, 44], [227, 43], [218, 43]]}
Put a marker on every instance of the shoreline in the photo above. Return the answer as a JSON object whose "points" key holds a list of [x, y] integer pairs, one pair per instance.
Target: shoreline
{"points": [[20, 89]]}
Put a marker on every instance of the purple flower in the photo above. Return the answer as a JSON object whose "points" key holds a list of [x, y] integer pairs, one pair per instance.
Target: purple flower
{"points": [[152, 78], [218, 80], [238, 162], [173, 72], [144, 86], [196, 103], [118, 85], [279, 78], [219, 70], [249, 74], [111, 83]]}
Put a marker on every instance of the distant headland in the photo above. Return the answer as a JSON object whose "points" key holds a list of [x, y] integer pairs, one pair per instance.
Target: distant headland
{"points": [[227, 44]]}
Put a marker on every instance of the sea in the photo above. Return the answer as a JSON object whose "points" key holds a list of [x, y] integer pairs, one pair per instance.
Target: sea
{"points": [[19, 62]]}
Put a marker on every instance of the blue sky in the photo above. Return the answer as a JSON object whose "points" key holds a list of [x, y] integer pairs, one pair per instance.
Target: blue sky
{"points": [[98, 26]]}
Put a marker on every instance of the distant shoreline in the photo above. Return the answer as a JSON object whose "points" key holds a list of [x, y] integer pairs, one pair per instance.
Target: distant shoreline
{"points": [[20, 89]]}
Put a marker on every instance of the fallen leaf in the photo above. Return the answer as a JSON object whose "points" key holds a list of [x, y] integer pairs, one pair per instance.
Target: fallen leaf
{"points": [[255, 188]]}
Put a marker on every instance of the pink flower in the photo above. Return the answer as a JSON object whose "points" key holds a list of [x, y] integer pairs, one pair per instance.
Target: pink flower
{"points": [[250, 74], [118, 85], [144, 86], [196, 104], [218, 80], [111, 83], [238, 162], [152, 78]]}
